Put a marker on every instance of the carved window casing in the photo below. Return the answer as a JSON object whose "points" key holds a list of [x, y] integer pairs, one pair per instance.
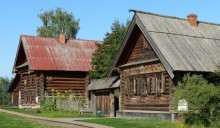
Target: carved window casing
{"points": [[144, 85]]}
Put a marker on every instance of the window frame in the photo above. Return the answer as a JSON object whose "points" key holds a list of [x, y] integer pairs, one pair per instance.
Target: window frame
{"points": [[145, 84]]}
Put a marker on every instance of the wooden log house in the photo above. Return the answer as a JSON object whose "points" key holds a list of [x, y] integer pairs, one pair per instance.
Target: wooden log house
{"points": [[156, 52], [45, 64]]}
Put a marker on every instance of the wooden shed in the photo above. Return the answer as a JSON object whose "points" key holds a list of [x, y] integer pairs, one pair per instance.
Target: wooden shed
{"points": [[104, 95], [155, 54], [43, 64]]}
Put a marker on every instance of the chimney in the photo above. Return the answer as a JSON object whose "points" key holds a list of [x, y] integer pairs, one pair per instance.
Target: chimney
{"points": [[62, 39], [192, 19]]}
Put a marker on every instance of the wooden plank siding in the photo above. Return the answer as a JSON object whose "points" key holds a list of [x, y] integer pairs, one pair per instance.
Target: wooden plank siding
{"points": [[15, 96], [141, 51], [103, 104], [152, 100]]}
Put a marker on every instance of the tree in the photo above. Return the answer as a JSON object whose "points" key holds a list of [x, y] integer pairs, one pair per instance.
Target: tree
{"points": [[57, 22], [5, 97], [105, 52], [203, 100]]}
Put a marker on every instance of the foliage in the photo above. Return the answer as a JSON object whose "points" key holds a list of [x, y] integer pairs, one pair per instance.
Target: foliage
{"points": [[49, 102], [105, 52], [56, 22], [203, 99], [179, 124], [11, 121], [5, 97]]}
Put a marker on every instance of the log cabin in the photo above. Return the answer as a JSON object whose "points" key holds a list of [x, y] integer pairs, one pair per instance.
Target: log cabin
{"points": [[43, 64], [155, 54]]}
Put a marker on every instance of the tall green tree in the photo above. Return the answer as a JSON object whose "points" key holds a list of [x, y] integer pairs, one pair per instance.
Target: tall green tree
{"points": [[5, 97], [105, 52], [56, 22]]}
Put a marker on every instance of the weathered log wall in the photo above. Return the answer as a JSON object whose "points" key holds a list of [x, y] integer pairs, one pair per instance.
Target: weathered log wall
{"points": [[141, 51], [152, 100], [75, 82]]}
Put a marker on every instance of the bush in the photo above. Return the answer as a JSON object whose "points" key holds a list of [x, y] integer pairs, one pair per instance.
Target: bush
{"points": [[49, 103], [203, 100], [216, 123]]}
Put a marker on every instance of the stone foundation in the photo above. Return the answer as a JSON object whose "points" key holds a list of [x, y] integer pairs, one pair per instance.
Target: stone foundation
{"points": [[147, 114]]}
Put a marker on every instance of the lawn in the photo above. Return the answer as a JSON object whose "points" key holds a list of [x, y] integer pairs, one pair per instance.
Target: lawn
{"points": [[114, 122], [132, 123], [51, 114], [11, 121], [139, 123]]}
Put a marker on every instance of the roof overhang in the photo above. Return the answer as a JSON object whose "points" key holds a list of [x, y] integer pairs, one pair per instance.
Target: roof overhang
{"points": [[14, 83], [136, 21]]}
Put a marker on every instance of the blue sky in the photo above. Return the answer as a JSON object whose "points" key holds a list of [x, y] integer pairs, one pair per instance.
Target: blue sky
{"points": [[19, 17]]}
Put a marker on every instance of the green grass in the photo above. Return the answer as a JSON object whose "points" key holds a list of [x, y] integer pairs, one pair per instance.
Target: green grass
{"points": [[52, 114], [11, 121], [139, 123], [132, 123]]}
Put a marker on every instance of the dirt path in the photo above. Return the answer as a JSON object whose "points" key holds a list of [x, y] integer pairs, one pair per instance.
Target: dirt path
{"points": [[64, 122], [57, 124]]}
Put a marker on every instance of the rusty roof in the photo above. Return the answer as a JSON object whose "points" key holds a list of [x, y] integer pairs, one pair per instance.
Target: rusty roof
{"points": [[49, 54]]}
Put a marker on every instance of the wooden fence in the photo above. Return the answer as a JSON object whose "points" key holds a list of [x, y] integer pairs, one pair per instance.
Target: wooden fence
{"points": [[68, 105]]}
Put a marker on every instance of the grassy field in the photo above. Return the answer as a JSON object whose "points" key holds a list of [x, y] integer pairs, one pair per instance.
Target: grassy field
{"points": [[52, 114], [139, 123], [133, 123], [114, 122], [11, 121]]}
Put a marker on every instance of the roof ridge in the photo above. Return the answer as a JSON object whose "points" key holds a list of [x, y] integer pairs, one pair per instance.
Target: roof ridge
{"points": [[87, 40], [154, 14], [106, 78], [172, 17], [56, 38]]}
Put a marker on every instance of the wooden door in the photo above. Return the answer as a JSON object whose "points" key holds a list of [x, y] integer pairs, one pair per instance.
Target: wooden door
{"points": [[15, 98], [103, 104]]}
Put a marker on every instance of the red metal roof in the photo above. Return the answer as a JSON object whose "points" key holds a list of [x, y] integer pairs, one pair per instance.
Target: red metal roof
{"points": [[49, 54]]}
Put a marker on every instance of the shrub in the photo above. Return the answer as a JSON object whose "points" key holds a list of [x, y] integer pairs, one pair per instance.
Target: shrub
{"points": [[49, 103], [203, 100]]}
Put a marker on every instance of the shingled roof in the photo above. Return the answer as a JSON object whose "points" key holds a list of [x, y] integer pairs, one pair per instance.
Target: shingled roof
{"points": [[178, 45], [104, 83], [49, 54]]}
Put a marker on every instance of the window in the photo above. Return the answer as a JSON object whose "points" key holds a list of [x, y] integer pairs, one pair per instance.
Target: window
{"points": [[143, 85], [138, 88], [25, 82], [50, 78], [160, 86]]}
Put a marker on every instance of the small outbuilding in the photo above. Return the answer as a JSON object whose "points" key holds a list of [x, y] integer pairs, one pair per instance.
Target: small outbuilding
{"points": [[104, 95]]}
